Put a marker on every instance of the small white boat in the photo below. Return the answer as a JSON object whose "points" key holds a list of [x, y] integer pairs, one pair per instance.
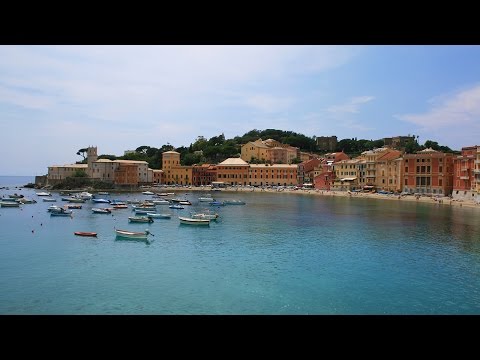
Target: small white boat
{"points": [[61, 212], [85, 195], [9, 204], [161, 202], [159, 216], [101, 201], [206, 199], [103, 193], [205, 215], [76, 200], [185, 202], [49, 199], [27, 201], [147, 193], [174, 206], [190, 221], [132, 234], [43, 194], [101, 211]]}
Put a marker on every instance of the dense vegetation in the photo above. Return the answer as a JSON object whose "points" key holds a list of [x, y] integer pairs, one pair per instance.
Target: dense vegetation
{"points": [[217, 148]]}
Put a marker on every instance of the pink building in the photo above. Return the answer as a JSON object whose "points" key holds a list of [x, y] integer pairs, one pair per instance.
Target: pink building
{"points": [[464, 186]]}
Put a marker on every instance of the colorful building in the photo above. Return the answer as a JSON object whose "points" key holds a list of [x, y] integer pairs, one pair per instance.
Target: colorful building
{"points": [[306, 171], [233, 171], [428, 172], [464, 175], [272, 175], [204, 174]]}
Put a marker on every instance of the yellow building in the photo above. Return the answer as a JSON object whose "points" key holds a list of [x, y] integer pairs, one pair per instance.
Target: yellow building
{"points": [[270, 151], [349, 174], [169, 159], [255, 150], [388, 170], [276, 174]]}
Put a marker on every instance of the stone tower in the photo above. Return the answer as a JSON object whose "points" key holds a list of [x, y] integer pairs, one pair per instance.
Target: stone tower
{"points": [[91, 157]]}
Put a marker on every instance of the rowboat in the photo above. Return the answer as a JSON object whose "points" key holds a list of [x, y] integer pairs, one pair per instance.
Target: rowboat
{"points": [[83, 233], [132, 234], [190, 221]]}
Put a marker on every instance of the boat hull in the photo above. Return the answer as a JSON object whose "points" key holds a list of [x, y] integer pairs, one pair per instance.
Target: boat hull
{"points": [[82, 233], [189, 221]]}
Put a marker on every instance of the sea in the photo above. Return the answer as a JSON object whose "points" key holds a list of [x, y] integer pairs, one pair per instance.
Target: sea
{"points": [[279, 254]]}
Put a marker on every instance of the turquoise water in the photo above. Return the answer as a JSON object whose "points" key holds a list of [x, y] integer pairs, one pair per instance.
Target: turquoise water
{"points": [[279, 254]]}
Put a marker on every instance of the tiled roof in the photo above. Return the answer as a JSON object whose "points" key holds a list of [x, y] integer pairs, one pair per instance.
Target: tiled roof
{"points": [[233, 161]]}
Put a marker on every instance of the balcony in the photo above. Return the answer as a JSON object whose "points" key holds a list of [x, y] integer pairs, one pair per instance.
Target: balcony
{"points": [[476, 171], [464, 177]]}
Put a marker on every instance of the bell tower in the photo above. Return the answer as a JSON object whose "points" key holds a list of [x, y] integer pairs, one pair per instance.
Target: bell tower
{"points": [[91, 158]]}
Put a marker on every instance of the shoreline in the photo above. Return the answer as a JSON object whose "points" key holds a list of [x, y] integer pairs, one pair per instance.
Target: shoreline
{"points": [[446, 201]]}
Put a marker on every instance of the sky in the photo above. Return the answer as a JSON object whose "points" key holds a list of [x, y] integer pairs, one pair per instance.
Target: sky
{"points": [[55, 100]]}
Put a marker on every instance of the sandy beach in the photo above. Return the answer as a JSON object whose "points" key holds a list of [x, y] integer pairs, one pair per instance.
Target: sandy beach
{"points": [[446, 201]]}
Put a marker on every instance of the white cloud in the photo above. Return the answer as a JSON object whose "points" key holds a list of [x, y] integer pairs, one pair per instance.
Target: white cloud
{"points": [[457, 109], [120, 96], [352, 106], [269, 104]]}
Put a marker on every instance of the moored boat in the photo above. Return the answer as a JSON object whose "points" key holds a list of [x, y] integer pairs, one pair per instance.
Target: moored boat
{"points": [[190, 221], [159, 216], [140, 219], [73, 206], [205, 215], [43, 194], [101, 201], [49, 199], [83, 233], [234, 202], [132, 234], [9, 204], [174, 206], [101, 211]]}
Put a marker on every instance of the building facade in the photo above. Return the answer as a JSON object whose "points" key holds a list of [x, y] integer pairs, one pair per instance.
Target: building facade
{"points": [[327, 143], [272, 175], [464, 176], [428, 172]]}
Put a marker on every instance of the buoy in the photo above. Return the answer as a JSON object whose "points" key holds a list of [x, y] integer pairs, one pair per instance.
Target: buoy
{"points": [[32, 231]]}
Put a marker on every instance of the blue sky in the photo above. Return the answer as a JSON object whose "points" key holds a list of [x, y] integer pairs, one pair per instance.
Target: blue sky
{"points": [[55, 100]]}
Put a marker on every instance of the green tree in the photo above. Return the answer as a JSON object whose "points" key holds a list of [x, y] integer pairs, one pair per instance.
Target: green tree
{"points": [[79, 173], [82, 152]]}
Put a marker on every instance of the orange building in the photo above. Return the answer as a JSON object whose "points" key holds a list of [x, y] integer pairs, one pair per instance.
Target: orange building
{"points": [[428, 172], [233, 171], [126, 174], [464, 184], [276, 174]]}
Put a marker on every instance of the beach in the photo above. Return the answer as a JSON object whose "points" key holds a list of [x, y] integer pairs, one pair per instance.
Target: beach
{"points": [[442, 201]]}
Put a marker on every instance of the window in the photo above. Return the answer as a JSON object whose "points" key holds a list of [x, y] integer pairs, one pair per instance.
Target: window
{"points": [[440, 169], [440, 183]]}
